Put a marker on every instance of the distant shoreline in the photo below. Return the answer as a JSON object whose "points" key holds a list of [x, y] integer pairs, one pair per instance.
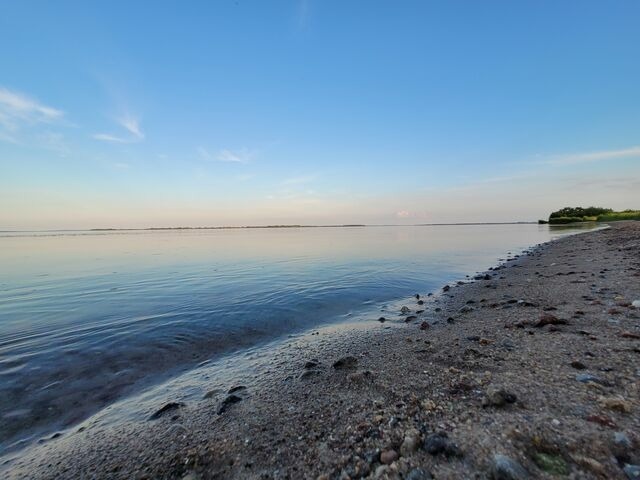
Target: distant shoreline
{"points": [[240, 227]]}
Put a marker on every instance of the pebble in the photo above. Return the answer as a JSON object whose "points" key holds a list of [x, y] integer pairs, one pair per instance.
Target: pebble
{"points": [[578, 365], [635, 304], [437, 443], [388, 456], [618, 404], [410, 443], [505, 468]]}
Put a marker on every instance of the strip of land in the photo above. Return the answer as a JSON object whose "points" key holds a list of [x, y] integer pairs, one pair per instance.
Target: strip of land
{"points": [[530, 371]]}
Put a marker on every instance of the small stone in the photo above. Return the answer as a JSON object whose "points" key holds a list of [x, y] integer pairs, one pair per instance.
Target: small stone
{"points": [[227, 402], [420, 302], [382, 319], [345, 363], [405, 309], [388, 456], [505, 468], [578, 365], [497, 397], [618, 404], [410, 318], [437, 443], [424, 325], [410, 443], [446, 288]]}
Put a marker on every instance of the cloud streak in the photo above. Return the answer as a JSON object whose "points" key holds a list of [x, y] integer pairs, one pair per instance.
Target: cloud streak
{"points": [[592, 157], [19, 111], [243, 155], [129, 123]]}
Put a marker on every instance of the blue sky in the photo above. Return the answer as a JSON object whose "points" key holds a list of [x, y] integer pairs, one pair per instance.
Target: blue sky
{"points": [[249, 112]]}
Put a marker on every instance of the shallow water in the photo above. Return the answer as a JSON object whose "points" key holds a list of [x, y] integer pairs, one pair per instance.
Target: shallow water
{"points": [[89, 317]]}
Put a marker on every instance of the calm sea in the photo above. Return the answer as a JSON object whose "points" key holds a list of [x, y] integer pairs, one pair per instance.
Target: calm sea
{"points": [[89, 317]]}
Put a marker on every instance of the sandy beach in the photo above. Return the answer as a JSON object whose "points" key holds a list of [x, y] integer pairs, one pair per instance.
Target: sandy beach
{"points": [[529, 370]]}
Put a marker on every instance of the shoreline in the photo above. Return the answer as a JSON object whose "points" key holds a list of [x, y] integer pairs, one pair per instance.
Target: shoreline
{"points": [[398, 387]]}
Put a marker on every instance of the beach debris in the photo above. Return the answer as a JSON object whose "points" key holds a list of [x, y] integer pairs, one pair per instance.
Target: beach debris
{"points": [[169, 407], [587, 377], [438, 443], [227, 402], [387, 457], [505, 468], [548, 319], [498, 397], [345, 363], [602, 420], [633, 335]]}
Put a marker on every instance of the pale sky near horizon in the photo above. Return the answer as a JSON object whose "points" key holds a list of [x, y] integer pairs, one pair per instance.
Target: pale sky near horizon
{"points": [[137, 114]]}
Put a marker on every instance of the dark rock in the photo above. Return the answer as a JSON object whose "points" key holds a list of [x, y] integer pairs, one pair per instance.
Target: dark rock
{"points": [[420, 302], [578, 365], [404, 310], [487, 277], [410, 318], [451, 320], [345, 363], [382, 319], [417, 296], [169, 407], [438, 443], [505, 468], [446, 288], [227, 402], [497, 397], [424, 325], [473, 338]]}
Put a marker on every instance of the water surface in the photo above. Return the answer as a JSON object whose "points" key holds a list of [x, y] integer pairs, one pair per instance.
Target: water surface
{"points": [[88, 317]]}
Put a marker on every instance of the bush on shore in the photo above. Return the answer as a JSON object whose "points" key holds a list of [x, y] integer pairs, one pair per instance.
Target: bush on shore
{"points": [[589, 214]]}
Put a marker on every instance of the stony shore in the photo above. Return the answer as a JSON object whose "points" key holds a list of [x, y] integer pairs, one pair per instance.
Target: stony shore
{"points": [[532, 370]]}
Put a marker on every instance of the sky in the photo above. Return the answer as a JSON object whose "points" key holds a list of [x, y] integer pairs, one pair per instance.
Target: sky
{"points": [[209, 113]]}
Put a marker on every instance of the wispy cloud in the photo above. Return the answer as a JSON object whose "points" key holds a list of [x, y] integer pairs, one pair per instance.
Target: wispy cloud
{"points": [[128, 122], [18, 111], [299, 180], [591, 157], [243, 155]]}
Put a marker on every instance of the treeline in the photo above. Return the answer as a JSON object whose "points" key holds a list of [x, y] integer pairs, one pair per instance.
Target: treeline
{"points": [[589, 214]]}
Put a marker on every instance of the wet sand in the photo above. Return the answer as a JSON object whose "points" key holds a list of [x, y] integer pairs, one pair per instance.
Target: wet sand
{"points": [[530, 371]]}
